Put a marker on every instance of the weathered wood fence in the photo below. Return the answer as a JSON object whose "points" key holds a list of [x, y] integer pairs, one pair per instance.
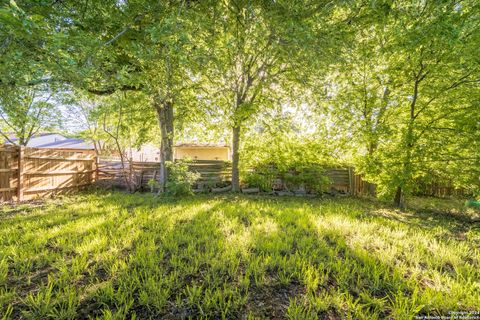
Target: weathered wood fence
{"points": [[346, 180], [215, 172], [112, 172], [360, 187], [29, 173], [440, 189]]}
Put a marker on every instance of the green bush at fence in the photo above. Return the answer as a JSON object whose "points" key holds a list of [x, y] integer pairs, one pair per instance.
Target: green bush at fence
{"points": [[180, 179], [298, 164], [310, 177]]}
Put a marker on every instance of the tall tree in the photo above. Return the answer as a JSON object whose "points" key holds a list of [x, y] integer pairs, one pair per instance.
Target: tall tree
{"points": [[253, 46], [133, 46], [438, 67], [425, 76]]}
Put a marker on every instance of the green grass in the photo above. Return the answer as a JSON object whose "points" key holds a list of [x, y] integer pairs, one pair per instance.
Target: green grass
{"points": [[116, 256]]}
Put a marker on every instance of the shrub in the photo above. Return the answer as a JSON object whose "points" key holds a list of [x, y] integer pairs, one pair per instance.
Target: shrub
{"points": [[262, 176], [311, 177], [153, 184], [297, 163], [180, 178]]}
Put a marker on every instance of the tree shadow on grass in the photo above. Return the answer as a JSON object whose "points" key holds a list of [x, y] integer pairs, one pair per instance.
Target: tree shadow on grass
{"points": [[242, 255], [166, 248], [452, 224], [63, 251], [342, 270], [283, 236]]}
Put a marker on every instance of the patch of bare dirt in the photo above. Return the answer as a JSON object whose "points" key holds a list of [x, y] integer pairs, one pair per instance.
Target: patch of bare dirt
{"points": [[272, 301]]}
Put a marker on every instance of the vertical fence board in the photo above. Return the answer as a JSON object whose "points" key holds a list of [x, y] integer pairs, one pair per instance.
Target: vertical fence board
{"points": [[20, 176], [8, 172]]}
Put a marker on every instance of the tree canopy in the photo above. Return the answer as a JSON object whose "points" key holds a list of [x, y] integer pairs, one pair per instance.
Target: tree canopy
{"points": [[390, 87]]}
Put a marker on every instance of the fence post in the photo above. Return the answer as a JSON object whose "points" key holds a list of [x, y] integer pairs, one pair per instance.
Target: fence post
{"points": [[21, 151], [95, 165], [351, 177]]}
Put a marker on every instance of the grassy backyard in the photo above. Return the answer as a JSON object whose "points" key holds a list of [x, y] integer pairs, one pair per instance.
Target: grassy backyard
{"points": [[114, 256]]}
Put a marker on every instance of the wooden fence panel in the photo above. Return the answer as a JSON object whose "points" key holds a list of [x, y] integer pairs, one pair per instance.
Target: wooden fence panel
{"points": [[8, 173], [216, 171], [44, 172], [212, 171], [29, 173], [49, 171], [361, 187], [112, 173], [441, 189], [340, 179]]}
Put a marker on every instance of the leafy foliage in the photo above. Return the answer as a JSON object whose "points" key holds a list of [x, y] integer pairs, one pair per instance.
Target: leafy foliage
{"points": [[296, 162], [394, 84], [405, 91], [180, 178], [25, 112]]}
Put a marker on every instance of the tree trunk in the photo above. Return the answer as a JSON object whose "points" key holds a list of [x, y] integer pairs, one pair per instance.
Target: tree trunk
{"points": [[126, 177], [165, 121], [406, 169], [398, 201], [235, 158], [406, 177], [97, 146], [372, 147]]}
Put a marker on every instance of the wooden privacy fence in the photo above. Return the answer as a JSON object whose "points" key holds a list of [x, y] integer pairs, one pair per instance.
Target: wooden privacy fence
{"points": [[342, 180], [215, 172], [346, 180], [29, 173], [111, 172], [441, 188], [360, 187]]}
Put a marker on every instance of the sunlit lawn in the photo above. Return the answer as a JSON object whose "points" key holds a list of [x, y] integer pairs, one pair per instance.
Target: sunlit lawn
{"points": [[114, 255]]}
